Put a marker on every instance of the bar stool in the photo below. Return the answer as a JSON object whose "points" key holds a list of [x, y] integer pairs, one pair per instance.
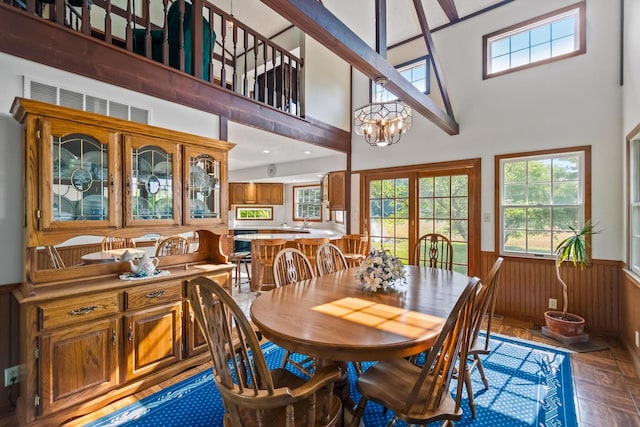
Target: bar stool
{"points": [[263, 252], [309, 247], [238, 258], [356, 248]]}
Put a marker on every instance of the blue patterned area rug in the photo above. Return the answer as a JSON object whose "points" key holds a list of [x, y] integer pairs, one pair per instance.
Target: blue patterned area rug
{"points": [[530, 385]]}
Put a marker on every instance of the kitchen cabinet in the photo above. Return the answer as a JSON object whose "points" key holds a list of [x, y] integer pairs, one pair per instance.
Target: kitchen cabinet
{"points": [[334, 190], [261, 193]]}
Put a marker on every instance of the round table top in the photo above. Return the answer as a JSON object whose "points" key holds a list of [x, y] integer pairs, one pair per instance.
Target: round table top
{"points": [[332, 317], [110, 255]]}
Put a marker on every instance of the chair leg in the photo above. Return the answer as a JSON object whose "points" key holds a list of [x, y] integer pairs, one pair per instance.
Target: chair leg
{"points": [[246, 267], [481, 370], [467, 384], [358, 412]]}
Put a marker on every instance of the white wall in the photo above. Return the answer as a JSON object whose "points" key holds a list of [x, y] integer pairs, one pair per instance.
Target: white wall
{"points": [[631, 88], [13, 70], [573, 102], [326, 85]]}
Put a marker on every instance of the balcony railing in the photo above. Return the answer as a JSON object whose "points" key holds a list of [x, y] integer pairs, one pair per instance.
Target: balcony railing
{"points": [[231, 55]]}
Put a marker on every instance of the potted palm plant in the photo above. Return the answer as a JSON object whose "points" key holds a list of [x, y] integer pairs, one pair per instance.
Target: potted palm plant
{"points": [[574, 248]]}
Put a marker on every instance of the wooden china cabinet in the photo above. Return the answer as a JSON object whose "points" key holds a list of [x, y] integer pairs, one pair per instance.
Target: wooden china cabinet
{"points": [[91, 333]]}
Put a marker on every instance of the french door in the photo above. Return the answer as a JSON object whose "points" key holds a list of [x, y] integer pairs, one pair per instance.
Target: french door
{"points": [[401, 204]]}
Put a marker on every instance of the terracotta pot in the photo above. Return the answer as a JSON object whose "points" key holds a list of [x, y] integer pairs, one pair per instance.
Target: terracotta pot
{"points": [[572, 325]]}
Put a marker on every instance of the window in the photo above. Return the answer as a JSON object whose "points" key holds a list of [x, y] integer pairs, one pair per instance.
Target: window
{"points": [[633, 178], [541, 196], [307, 203], [544, 39], [416, 72], [255, 213]]}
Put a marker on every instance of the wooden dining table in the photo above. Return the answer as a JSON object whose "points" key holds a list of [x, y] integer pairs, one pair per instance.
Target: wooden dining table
{"points": [[333, 319]]}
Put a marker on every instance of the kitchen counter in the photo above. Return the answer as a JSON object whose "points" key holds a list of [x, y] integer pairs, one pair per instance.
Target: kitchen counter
{"points": [[308, 233]]}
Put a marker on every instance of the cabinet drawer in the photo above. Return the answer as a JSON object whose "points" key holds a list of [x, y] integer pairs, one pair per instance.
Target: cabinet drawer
{"points": [[145, 296], [77, 309]]}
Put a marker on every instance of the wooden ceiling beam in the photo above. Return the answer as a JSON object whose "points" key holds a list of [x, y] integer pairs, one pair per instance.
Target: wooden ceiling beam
{"points": [[437, 69], [449, 8], [319, 23]]}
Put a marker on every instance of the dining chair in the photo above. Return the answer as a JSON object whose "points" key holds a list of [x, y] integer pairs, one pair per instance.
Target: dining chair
{"points": [[110, 242], [263, 252], [329, 259], [238, 258], [356, 248], [173, 245], [291, 266], [309, 246], [433, 250], [54, 257], [480, 345], [253, 394], [420, 394]]}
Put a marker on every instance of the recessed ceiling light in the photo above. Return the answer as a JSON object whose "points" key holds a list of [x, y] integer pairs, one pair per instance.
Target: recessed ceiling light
{"points": [[266, 151], [307, 152]]}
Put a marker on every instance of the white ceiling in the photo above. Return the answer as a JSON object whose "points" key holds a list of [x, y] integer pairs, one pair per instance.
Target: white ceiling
{"points": [[401, 25]]}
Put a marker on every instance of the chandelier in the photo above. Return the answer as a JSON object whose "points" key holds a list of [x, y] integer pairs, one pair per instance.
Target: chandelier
{"points": [[382, 123]]}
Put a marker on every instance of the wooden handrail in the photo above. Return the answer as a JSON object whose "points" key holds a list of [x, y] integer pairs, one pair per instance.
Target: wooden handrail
{"points": [[241, 59]]}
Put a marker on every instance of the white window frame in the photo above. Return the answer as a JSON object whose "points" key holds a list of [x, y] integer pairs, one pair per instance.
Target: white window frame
{"points": [[633, 203], [380, 94], [296, 202], [556, 234], [575, 12]]}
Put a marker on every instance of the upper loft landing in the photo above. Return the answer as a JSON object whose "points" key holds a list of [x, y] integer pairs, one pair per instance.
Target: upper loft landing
{"points": [[209, 60]]}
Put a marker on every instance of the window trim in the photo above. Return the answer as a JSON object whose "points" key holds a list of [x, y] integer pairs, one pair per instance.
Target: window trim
{"points": [[294, 203], [399, 68], [585, 149], [248, 208], [582, 40], [632, 138]]}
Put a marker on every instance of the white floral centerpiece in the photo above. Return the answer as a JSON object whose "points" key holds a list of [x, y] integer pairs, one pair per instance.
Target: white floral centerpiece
{"points": [[380, 270]]}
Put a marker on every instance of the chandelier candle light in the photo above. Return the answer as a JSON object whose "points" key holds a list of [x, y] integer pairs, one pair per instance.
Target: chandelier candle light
{"points": [[382, 123]]}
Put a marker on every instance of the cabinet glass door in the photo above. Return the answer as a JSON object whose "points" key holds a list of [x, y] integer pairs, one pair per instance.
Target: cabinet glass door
{"points": [[203, 196], [77, 171], [151, 171]]}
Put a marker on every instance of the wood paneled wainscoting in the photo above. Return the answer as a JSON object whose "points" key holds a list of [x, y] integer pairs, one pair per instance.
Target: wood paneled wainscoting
{"points": [[631, 315], [594, 293], [8, 342]]}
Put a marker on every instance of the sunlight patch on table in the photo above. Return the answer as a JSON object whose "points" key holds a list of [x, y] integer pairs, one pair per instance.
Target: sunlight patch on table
{"points": [[400, 321]]}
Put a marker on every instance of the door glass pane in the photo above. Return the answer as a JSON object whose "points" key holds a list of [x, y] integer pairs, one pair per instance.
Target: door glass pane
{"points": [[445, 210], [204, 187], [80, 179], [151, 183]]}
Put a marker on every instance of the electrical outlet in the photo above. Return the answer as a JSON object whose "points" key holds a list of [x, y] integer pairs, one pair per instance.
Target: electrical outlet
{"points": [[553, 303], [10, 374], [637, 339]]}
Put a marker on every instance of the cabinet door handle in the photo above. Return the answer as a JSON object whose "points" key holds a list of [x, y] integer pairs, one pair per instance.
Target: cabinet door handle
{"points": [[130, 332], [113, 337], [82, 310], [155, 294]]}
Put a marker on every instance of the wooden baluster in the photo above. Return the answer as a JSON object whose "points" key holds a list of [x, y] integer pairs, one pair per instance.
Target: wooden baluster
{"points": [[165, 33], [147, 28], [181, 35], [223, 70], [129, 33], [31, 7], [59, 12], [274, 103], [264, 74], [287, 86], [299, 95], [107, 22], [256, 86], [234, 78], [86, 18], [283, 70], [245, 86], [212, 44], [197, 41]]}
